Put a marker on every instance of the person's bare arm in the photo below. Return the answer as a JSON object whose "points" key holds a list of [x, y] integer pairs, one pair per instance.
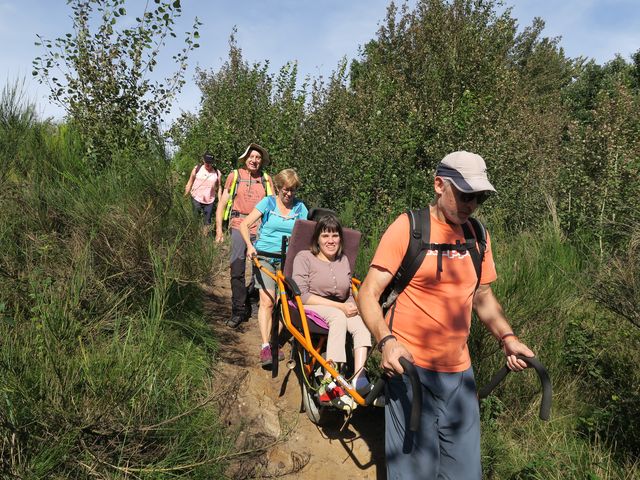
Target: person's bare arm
{"points": [[490, 313], [222, 203], [187, 187], [219, 192], [372, 287]]}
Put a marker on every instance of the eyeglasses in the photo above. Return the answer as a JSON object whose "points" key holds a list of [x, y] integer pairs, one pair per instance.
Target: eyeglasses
{"points": [[288, 190], [479, 197]]}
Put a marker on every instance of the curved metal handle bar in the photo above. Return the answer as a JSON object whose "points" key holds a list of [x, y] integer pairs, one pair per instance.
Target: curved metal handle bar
{"points": [[416, 404], [545, 381], [260, 253]]}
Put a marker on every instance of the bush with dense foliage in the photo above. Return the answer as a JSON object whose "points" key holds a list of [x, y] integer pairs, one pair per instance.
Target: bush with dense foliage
{"points": [[104, 354]]}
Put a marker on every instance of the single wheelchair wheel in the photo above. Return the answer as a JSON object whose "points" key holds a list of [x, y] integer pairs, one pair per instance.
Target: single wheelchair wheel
{"points": [[316, 413]]}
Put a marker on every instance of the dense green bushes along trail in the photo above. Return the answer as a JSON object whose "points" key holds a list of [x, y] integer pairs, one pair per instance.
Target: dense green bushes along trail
{"points": [[104, 354]]}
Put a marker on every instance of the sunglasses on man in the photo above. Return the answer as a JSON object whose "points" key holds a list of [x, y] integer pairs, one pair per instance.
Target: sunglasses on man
{"points": [[479, 197]]}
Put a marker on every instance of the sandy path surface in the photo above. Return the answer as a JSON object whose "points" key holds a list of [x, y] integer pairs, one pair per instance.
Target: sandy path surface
{"points": [[278, 439]]}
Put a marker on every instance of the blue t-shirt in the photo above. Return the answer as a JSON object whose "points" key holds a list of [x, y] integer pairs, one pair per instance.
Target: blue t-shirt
{"points": [[274, 225]]}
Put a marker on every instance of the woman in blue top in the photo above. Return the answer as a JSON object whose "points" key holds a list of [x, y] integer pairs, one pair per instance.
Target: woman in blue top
{"points": [[278, 213]]}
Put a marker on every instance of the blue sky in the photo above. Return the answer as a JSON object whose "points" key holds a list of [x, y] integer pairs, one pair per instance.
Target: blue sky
{"points": [[315, 33]]}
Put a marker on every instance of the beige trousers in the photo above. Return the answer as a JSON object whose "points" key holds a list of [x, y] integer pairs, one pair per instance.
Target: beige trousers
{"points": [[339, 325]]}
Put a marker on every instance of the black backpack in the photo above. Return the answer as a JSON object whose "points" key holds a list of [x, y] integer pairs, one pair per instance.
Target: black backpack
{"points": [[419, 244]]}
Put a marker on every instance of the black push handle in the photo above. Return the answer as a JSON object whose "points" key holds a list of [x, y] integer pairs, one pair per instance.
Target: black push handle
{"points": [[277, 256], [545, 381], [416, 387]]}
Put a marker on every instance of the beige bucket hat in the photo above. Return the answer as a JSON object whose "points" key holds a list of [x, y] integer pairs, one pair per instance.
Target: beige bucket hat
{"points": [[263, 151]]}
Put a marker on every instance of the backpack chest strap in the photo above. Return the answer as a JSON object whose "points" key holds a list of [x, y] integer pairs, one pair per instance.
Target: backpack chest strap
{"points": [[459, 247]]}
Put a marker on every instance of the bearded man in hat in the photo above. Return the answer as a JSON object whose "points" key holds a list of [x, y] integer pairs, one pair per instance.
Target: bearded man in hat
{"points": [[429, 324], [243, 189]]}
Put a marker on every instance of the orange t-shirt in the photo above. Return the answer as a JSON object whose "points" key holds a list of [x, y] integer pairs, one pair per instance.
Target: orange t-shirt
{"points": [[433, 314], [249, 191]]}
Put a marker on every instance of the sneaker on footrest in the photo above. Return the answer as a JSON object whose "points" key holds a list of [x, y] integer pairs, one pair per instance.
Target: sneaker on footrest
{"points": [[332, 394], [365, 390], [362, 385]]}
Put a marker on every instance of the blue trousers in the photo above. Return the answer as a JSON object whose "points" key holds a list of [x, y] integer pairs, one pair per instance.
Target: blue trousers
{"points": [[447, 446], [204, 209]]}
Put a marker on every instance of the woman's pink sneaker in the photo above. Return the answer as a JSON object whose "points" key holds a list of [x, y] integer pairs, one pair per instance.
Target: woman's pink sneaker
{"points": [[265, 356]]}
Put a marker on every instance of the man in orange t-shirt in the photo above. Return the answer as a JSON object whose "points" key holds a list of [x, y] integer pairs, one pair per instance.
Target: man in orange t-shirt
{"points": [[431, 322]]}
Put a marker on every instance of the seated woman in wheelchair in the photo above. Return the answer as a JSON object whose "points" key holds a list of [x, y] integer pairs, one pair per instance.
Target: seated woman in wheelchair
{"points": [[323, 275]]}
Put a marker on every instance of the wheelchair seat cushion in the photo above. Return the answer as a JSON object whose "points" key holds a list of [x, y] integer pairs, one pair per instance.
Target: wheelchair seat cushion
{"points": [[318, 321]]}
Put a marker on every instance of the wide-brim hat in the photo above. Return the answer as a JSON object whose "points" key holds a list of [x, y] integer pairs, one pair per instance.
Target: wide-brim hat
{"points": [[466, 170], [263, 151]]}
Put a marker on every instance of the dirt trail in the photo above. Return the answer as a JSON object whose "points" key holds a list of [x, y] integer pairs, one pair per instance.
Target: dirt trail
{"points": [[281, 441]]}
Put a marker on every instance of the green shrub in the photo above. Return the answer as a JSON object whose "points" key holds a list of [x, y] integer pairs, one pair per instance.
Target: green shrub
{"points": [[104, 354]]}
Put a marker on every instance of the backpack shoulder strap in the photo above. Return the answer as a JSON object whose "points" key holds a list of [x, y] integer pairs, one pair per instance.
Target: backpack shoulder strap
{"points": [[476, 244], [267, 184], [419, 241], [234, 184], [233, 188], [198, 167]]}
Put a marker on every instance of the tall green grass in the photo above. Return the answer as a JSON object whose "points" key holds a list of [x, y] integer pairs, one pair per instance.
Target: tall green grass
{"points": [[104, 354], [543, 284]]}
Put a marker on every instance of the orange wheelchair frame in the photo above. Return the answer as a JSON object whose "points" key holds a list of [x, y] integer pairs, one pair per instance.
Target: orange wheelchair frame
{"points": [[304, 338], [310, 360], [306, 355]]}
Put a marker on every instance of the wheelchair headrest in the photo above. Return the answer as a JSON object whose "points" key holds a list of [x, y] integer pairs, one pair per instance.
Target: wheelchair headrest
{"points": [[316, 213], [301, 240]]}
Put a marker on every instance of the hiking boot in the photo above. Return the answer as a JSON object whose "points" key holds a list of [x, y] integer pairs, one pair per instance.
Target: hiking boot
{"points": [[234, 321]]}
